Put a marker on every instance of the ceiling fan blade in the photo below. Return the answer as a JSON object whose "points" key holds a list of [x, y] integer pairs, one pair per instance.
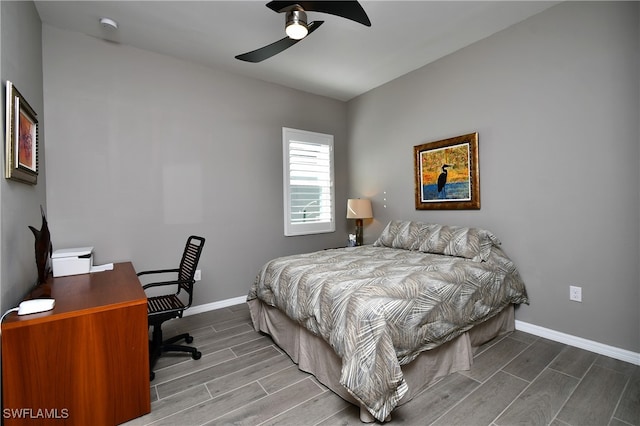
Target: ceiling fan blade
{"points": [[346, 9], [272, 49], [268, 51]]}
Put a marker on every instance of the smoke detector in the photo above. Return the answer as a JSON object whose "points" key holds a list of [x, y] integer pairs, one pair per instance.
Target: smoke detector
{"points": [[108, 24]]}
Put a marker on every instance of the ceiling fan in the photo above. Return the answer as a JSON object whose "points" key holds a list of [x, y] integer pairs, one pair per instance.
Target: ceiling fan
{"points": [[296, 25]]}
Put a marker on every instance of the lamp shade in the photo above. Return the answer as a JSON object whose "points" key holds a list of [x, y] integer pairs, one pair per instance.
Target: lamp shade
{"points": [[359, 208]]}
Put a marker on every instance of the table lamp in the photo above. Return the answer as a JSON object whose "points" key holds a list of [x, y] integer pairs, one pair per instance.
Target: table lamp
{"points": [[358, 209]]}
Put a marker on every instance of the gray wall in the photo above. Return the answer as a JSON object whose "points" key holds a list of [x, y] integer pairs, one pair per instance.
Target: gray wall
{"points": [[555, 100], [144, 150], [20, 63]]}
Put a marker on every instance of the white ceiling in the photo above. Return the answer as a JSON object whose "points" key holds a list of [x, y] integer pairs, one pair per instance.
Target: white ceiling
{"points": [[341, 60]]}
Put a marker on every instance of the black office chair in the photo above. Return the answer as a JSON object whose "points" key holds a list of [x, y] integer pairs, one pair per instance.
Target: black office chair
{"points": [[165, 307]]}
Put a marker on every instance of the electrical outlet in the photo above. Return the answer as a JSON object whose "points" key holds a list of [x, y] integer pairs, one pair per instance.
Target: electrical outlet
{"points": [[575, 293], [198, 275]]}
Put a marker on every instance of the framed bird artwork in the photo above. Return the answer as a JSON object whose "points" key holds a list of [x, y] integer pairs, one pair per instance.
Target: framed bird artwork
{"points": [[447, 174]]}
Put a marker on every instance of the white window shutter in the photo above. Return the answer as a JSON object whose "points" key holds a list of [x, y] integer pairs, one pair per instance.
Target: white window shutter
{"points": [[309, 206]]}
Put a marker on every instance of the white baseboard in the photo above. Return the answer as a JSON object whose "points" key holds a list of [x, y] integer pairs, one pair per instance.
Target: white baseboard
{"points": [[579, 342], [556, 336], [198, 309]]}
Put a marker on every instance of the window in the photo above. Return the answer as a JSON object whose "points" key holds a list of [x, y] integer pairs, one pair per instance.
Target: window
{"points": [[309, 206]]}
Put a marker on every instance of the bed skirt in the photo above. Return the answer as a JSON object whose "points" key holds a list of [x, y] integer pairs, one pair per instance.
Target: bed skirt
{"points": [[313, 355]]}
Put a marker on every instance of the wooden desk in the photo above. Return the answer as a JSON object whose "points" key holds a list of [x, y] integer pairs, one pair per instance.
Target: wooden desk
{"points": [[86, 362]]}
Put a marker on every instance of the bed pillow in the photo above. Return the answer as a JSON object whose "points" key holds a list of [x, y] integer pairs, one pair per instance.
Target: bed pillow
{"points": [[470, 243], [400, 234]]}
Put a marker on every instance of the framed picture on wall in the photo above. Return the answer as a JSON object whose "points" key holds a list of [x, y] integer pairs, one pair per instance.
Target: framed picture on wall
{"points": [[21, 141], [447, 174]]}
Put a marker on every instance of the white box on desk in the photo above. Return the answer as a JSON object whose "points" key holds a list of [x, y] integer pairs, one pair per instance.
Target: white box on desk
{"points": [[73, 261]]}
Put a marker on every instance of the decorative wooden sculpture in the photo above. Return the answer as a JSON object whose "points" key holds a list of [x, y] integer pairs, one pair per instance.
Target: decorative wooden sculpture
{"points": [[43, 247]]}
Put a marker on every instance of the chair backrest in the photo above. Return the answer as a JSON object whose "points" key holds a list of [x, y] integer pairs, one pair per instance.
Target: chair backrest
{"points": [[189, 263]]}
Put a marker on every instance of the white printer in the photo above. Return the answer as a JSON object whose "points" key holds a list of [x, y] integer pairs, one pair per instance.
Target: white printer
{"points": [[72, 261]]}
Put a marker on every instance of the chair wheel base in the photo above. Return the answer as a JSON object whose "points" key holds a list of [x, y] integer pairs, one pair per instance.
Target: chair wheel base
{"points": [[196, 355]]}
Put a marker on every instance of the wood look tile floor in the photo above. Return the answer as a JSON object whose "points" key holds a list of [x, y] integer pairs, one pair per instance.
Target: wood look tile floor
{"points": [[243, 378]]}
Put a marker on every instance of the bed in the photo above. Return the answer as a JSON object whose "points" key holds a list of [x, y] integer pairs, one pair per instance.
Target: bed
{"points": [[378, 323]]}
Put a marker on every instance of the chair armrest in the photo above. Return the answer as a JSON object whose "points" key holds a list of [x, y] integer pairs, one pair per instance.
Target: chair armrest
{"points": [[163, 283], [158, 271]]}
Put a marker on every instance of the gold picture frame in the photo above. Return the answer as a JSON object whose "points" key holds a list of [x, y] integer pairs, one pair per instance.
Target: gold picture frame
{"points": [[21, 141], [447, 174]]}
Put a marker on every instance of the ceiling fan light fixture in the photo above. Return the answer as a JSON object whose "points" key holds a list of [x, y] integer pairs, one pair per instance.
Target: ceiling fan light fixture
{"points": [[296, 24]]}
